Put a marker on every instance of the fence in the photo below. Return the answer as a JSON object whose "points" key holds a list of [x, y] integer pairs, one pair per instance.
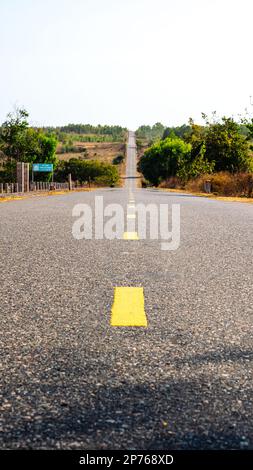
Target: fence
{"points": [[13, 188]]}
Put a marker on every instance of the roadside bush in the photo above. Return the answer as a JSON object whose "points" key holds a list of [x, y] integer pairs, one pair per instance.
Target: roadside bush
{"points": [[163, 159], [197, 184], [109, 175], [88, 171], [105, 180], [224, 184], [117, 160], [227, 147], [22, 143], [172, 157], [173, 182]]}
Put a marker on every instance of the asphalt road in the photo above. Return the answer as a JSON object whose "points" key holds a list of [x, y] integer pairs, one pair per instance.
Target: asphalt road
{"points": [[70, 380]]}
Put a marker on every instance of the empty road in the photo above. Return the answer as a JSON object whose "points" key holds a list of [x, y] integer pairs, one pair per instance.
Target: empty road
{"points": [[71, 380]]}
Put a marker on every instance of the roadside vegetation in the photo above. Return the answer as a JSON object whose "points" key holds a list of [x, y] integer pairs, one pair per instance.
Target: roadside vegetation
{"points": [[64, 148], [21, 143], [188, 157], [105, 144], [91, 171], [150, 134], [88, 133]]}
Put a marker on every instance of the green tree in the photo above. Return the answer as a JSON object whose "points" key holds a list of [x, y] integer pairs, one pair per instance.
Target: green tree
{"points": [[195, 135], [13, 135], [46, 148], [179, 131], [164, 159], [227, 147], [248, 124], [194, 164], [150, 133], [88, 171], [19, 142]]}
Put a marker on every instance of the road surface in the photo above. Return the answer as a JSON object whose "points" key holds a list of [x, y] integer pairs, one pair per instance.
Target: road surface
{"points": [[70, 380]]}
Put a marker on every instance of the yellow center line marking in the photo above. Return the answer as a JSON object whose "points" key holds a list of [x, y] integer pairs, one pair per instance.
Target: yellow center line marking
{"points": [[128, 307], [131, 216], [131, 206], [130, 236]]}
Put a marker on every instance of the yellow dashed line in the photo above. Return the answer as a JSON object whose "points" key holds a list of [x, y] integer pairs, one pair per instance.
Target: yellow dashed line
{"points": [[128, 307], [131, 216], [130, 236]]}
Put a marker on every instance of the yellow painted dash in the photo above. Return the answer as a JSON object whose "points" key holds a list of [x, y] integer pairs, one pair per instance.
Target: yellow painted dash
{"points": [[128, 307], [131, 216], [130, 236]]}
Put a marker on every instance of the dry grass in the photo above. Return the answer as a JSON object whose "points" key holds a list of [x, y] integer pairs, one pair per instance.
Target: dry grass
{"points": [[173, 182], [225, 184], [46, 193], [210, 196], [102, 151]]}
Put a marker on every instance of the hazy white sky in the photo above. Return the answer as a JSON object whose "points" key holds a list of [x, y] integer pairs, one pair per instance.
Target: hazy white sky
{"points": [[125, 62]]}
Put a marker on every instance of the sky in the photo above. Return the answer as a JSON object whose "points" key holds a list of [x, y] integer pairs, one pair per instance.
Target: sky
{"points": [[126, 62]]}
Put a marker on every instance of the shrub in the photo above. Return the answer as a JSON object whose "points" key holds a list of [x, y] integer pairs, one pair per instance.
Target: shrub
{"points": [[88, 171], [225, 184], [163, 159], [173, 182], [227, 147], [19, 142], [117, 160]]}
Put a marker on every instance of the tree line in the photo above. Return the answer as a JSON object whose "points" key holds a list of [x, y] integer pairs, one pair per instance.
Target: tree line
{"points": [[21, 143], [159, 131], [88, 132], [221, 145]]}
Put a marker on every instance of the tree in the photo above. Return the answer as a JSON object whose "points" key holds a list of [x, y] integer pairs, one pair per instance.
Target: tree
{"points": [[227, 147], [195, 164], [19, 142], [179, 131], [13, 135], [248, 124], [164, 159], [150, 133], [88, 171], [46, 149], [195, 136]]}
